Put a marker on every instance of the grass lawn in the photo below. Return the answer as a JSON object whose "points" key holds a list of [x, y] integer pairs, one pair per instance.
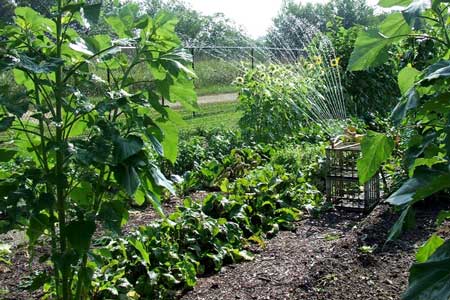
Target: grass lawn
{"points": [[216, 89], [224, 115]]}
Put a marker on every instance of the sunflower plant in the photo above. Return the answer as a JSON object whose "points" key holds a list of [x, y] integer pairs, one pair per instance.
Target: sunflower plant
{"points": [[86, 158]]}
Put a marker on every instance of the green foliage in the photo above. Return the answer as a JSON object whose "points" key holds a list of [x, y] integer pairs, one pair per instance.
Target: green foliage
{"points": [[292, 15], [376, 148], [427, 249], [199, 238], [193, 28], [78, 160], [429, 279], [371, 46], [276, 100], [407, 78], [367, 91], [5, 251], [214, 72], [405, 221], [199, 146], [423, 113]]}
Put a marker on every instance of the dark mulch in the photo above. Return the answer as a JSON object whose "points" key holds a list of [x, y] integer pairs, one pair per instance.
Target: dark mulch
{"points": [[322, 259]]}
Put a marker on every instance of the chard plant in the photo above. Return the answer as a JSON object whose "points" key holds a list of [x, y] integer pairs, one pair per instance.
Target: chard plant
{"points": [[423, 116], [83, 159]]}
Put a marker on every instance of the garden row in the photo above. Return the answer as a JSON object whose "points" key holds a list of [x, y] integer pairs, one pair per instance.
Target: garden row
{"points": [[255, 191]]}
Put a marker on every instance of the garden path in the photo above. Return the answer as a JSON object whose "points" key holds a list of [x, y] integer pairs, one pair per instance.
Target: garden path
{"points": [[324, 259], [210, 99]]}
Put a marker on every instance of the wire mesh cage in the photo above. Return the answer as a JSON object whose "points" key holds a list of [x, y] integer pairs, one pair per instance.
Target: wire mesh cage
{"points": [[342, 182]]}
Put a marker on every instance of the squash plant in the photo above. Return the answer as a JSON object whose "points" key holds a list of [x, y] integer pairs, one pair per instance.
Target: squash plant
{"points": [[423, 114], [89, 156]]}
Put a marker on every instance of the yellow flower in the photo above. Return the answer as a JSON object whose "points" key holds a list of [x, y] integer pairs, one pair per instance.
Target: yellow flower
{"points": [[310, 66], [239, 80], [317, 60], [335, 62]]}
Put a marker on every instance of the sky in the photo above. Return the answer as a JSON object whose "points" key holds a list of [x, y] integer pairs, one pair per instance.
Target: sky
{"points": [[254, 15]]}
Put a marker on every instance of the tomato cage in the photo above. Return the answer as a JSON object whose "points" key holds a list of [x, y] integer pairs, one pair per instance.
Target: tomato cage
{"points": [[342, 183]]}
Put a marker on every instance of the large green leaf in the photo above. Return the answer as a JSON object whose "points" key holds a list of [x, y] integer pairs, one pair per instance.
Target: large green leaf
{"points": [[127, 147], [98, 43], [394, 27], [118, 26], [92, 12], [422, 185], [179, 89], [189, 272], [370, 50], [29, 19], [160, 179], [371, 45], [140, 247], [405, 221], [114, 214], [390, 3], [38, 224], [81, 46], [169, 127], [431, 279], [79, 234], [427, 249], [376, 148], [406, 78], [6, 154], [439, 70], [403, 107], [5, 123], [31, 64], [413, 12], [128, 178], [82, 194], [429, 162]]}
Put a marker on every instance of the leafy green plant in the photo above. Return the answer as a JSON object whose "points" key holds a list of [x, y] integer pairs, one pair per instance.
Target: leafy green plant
{"points": [[366, 249], [166, 256], [275, 100], [365, 91], [5, 251], [215, 73], [423, 115], [89, 156]]}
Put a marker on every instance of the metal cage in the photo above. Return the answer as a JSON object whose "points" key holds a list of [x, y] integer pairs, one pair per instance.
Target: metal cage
{"points": [[342, 182]]}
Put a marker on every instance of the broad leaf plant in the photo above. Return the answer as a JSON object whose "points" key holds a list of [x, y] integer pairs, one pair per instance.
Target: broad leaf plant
{"points": [[423, 115], [82, 159]]}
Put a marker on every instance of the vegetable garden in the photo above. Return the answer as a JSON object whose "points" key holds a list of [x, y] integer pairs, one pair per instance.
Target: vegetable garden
{"points": [[108, 193]]}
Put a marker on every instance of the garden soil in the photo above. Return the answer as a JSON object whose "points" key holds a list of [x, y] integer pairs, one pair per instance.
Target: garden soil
{"points": [[322, 258], [325, 259]]}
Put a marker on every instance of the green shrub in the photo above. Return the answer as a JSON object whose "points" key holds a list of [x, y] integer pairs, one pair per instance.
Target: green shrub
{"points": [[199, 238], [277, 101], [215, 73]]}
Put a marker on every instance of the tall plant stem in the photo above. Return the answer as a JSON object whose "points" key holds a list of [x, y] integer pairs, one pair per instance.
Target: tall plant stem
{"points": [[59, 174], [49, 187], [78, 294]]}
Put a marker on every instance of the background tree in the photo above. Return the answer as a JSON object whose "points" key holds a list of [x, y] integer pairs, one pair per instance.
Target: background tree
{"points": [[293, 14], [6, 11], [193, 28]]}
